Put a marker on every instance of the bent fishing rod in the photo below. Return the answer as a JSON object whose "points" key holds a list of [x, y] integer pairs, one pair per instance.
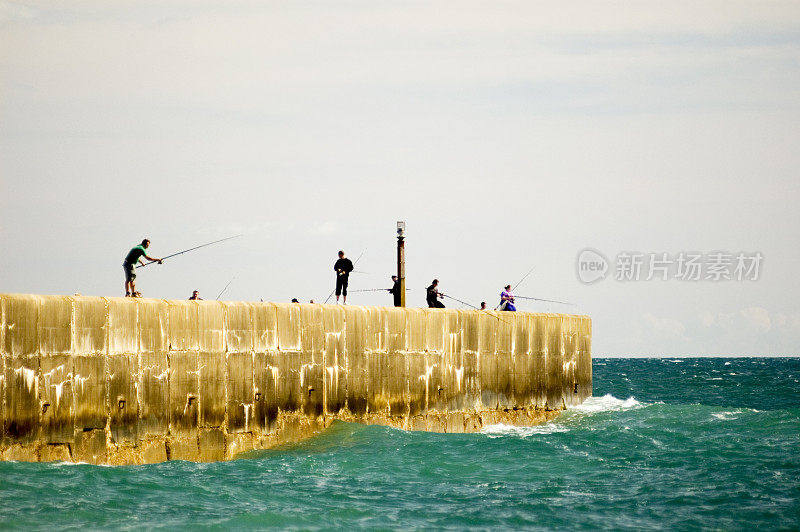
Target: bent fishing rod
{"points": [[547, 300], [354, 265], [456, 299], [516, 285], [190, 249]]}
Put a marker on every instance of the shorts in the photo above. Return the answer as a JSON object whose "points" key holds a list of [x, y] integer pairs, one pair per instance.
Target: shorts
{"points": [[130, 272], [341, 285]]}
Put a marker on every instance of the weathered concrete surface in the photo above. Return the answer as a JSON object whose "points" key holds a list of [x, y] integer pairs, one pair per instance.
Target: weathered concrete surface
{"points": [[128, 381]]}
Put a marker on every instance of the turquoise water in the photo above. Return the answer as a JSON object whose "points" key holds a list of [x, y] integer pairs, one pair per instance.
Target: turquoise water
{"points": [[665, 443]]}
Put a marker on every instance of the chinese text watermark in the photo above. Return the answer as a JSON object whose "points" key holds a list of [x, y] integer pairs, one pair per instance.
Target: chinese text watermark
{"points": [[715, 266]]}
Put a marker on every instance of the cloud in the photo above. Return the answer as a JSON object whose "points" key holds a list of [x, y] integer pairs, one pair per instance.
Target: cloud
{"points": [[325, 228], [665, 326], [13, 12]]}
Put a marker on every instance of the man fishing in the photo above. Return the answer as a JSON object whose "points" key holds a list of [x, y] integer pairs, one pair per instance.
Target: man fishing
{"points": [[342, 267], [129, 265], [433, 295], [395, 290], [507, 299]]}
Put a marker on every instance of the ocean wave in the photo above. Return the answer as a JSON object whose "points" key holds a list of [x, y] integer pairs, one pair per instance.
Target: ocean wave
{"points": [[501, 429], [606, 403]]}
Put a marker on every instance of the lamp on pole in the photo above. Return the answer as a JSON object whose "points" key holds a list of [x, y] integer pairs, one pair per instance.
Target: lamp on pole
{"points": [[401, 260]]}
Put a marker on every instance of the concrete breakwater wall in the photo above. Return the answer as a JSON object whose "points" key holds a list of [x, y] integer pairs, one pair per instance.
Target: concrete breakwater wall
{"points": [[123, 381]]}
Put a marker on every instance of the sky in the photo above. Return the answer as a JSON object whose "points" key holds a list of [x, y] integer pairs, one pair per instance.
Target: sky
{"points": [[507, 135]]}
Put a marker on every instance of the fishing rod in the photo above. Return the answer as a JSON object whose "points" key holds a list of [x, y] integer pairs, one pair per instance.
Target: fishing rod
{"points": [[354, 265], [374, 290], [190, 249], [226, 287], [516, 285], [548, 300], [462, 302]]}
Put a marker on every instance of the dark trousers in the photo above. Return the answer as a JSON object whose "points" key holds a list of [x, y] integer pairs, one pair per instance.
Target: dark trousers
{"points": [[435, 304], [341, 285]]}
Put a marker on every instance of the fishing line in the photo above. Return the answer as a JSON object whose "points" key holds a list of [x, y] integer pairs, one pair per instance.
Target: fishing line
{"points": [[190, 249]]}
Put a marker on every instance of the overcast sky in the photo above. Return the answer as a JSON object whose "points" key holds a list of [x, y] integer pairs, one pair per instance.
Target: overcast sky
{"points": [[508, 135]]}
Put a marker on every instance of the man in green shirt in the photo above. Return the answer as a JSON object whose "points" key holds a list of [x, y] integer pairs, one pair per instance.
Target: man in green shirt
{"points": [[135, 256]]}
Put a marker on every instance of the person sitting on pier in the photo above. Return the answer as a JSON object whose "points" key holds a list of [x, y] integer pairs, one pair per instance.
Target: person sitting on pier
{"points": [[434, 295], [129, 265], [507, 299]]}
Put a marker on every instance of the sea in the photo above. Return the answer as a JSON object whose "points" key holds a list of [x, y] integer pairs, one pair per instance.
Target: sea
{"points": [[664, 443]]}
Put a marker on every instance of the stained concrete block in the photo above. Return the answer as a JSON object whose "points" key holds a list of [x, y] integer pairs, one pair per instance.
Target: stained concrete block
{"points": [[265, 323], [356, 364], [241, 393], [20, 333], [210, 326], [153, 399], [453, 381], [312, 383], [555, 363], [89, 384], [91, 324], [452, 333], [289, 327], [394, 383], [266, 375], [377, 329], [211, 370], [312, 339], [182, 320], [55, 452], [434, 330], [487, 372], [185, 446], [56, 398], [416, 325], [436, 394], [289, 394], [418, 383], [123, 403], [212, 445], [334, 360], [90, 446], [55, 327], [489, 321], [123, 326], [22, 397], [397, 330], [153, 325], [184, 393], [240, 329]]}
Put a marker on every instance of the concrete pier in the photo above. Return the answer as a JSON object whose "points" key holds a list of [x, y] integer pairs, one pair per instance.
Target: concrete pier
{"points": [[128, 381]]}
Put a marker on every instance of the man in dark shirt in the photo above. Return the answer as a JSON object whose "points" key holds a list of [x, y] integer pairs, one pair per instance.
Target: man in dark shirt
{"points": [[342, 267], [434, 295], [395, 290], [195, 296], [129, 265]]}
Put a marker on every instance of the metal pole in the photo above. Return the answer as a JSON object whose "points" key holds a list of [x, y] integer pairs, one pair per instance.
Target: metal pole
{"points": [[401, 260]]}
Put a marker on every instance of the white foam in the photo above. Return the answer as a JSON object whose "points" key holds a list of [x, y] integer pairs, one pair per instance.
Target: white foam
{"points": [[726, 416], [501, 429], [607, 403]]}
